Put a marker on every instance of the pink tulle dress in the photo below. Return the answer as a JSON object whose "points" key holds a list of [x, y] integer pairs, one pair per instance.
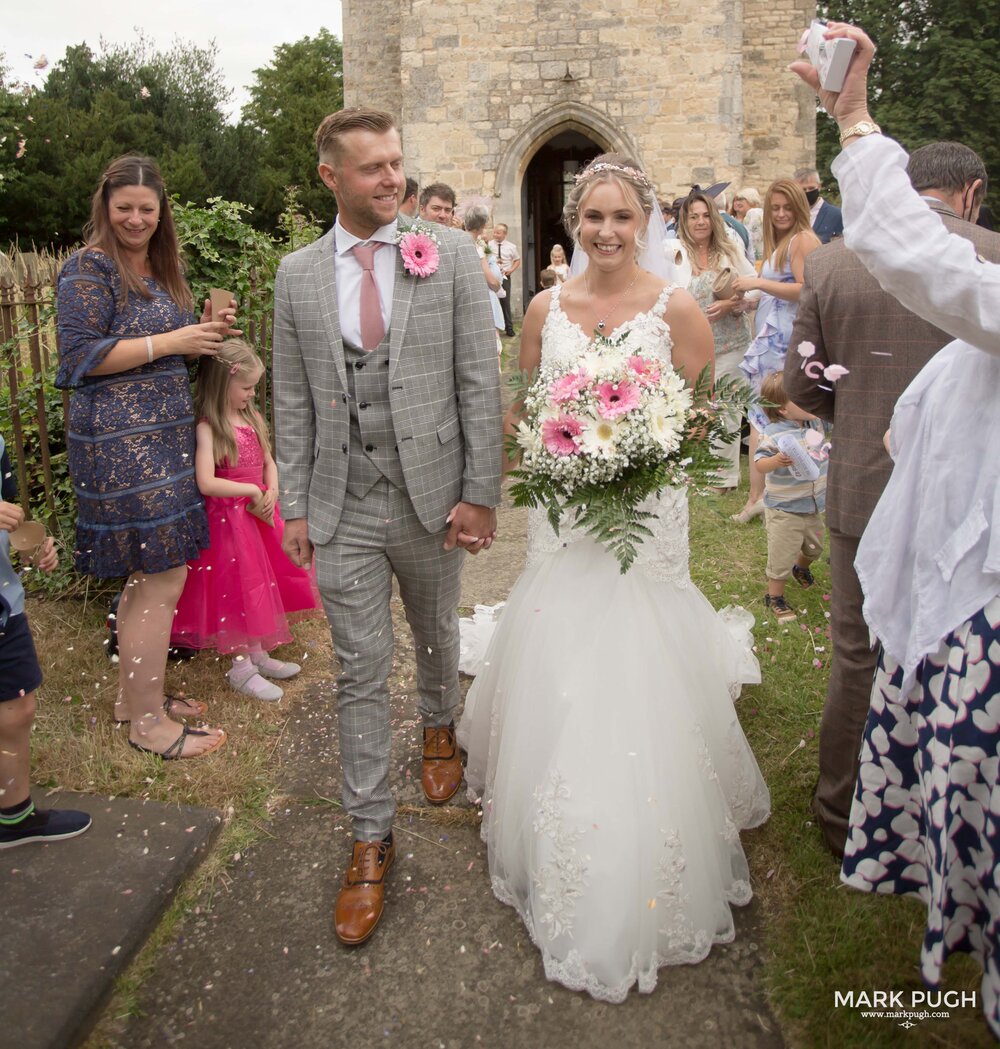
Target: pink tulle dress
{"points": [[242, 590]]}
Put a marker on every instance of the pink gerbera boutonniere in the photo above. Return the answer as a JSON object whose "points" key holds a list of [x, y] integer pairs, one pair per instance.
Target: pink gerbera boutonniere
{"points": [[418, 247]]}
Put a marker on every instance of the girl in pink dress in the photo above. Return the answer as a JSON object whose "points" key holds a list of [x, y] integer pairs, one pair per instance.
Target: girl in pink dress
{"points": [[240, 592]]}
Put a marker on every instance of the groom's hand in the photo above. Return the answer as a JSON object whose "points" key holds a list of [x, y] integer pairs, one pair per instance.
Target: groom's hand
{"points": [[472, 527], [296, 543]]}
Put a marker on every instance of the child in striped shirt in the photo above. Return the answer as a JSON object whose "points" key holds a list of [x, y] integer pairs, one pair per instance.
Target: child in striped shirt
{"points": [[792, 507]]}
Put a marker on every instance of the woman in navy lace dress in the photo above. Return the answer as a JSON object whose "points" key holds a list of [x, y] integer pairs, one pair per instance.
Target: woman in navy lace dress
{"points": [[125, 324]]}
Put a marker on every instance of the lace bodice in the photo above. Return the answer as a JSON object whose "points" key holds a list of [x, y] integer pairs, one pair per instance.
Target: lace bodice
{"points": [[564, 342]]}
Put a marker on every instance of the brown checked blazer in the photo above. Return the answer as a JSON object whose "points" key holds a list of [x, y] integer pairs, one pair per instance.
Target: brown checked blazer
{"points": [[854, 323]]}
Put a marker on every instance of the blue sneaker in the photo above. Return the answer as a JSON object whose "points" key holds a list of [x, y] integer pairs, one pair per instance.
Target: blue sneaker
{"points": [[44, 825]]}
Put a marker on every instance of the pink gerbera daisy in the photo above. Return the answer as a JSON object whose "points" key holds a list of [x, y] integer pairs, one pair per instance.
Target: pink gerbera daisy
{"points": [[647, 373], [616, 399], [568, 387], [558, 435], [419, 253]]}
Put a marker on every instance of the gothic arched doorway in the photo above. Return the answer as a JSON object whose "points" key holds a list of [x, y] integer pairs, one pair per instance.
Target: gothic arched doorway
{"points": [[547, 180], [531, 177]]}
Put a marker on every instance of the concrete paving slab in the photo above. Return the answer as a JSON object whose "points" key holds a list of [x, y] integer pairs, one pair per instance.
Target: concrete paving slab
{"points": [[449, 968], [76, 911]]}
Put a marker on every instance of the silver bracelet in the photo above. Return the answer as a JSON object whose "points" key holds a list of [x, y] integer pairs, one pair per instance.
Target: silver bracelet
{"points": [[149, 349]]}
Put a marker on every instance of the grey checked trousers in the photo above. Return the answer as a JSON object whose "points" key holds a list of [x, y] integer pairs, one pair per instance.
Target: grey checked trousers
{"points": [[380, 536]]}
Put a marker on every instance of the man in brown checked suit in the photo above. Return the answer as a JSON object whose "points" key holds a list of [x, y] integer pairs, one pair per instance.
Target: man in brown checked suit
{"points": [[855, 324]]}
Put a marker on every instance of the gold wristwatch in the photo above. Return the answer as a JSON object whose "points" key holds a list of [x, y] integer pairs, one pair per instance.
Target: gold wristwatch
{"points": [[859, 130]]}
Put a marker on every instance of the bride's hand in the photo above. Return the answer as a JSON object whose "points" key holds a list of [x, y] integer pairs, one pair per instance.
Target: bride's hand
{"points": [[471, 527]]}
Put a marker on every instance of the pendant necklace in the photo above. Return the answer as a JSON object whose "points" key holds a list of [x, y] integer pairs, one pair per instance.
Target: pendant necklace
{"points": [[602, 321]]}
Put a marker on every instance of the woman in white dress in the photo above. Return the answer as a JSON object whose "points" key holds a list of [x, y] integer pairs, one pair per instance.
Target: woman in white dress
{"points": [[600, 731]]}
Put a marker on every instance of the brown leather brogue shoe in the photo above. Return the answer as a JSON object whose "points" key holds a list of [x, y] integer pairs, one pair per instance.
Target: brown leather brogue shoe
{"points": [[441, 775], [362, 898]]}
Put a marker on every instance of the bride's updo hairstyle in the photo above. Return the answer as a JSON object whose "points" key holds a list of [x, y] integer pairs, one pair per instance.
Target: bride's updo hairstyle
{"points": [[611, 167]]}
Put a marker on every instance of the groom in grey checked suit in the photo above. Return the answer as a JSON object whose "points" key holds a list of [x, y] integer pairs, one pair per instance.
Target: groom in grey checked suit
{"points": [[388, 428]]}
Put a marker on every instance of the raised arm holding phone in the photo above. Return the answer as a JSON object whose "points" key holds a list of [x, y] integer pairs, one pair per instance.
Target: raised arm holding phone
{"points": [[929, 561]]}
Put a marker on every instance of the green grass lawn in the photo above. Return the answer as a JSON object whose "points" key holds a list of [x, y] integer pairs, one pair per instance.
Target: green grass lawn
{"points": [[819, 936]]}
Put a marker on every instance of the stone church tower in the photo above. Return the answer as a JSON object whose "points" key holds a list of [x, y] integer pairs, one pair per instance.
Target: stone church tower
{"points": [[507, 99]]}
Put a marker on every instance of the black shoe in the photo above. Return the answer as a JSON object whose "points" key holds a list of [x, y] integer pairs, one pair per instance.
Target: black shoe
{"points": [[180, 654], [111, 648], [43, 826], [779, 606], [176, 653], [803, 577]]}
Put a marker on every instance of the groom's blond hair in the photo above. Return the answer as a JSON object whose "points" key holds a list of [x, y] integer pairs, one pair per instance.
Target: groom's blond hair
{"points": [[358, 118]]}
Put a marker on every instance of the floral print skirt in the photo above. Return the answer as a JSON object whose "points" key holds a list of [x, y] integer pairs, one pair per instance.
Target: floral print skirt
{"points": [[924, 821]]}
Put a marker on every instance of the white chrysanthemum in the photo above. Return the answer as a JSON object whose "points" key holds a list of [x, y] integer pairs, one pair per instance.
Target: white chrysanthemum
{"points": [[548, 411], [528, 438], [664, 424], [594, 364], [599, 436], [672, 383]]}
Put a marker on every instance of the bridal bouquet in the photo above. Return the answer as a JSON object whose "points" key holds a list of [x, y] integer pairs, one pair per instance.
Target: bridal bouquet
{"points": [[598, 439]]}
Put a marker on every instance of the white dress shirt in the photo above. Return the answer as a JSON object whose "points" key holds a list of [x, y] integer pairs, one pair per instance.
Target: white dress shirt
{"points": [[507, 253], [930, 556], [348, 272]]}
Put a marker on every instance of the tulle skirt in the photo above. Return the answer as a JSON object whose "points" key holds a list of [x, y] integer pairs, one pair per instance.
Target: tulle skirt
{"points": [[614, 774], [242, 591]]}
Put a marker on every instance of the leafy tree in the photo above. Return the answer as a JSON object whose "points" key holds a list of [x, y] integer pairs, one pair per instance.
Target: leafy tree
{"points": [[936, 73], [11, 116], [302, 84], [93, 108]]}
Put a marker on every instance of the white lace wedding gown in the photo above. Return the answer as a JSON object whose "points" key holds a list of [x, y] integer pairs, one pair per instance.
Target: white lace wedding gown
{"points": [[602, 738]]}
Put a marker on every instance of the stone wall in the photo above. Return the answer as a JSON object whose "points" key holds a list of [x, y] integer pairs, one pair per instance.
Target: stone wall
{"points": [[371, 54], [779, 113], [695, 89]]}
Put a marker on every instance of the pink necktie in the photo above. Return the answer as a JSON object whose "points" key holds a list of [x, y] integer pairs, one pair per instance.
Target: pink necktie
{"points": [[372, 325]]}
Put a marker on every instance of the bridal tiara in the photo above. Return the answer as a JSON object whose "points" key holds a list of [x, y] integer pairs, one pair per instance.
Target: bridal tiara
{"points": [[605, 166]]}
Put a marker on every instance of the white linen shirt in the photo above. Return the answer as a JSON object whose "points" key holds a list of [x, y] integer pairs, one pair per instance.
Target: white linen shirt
{"points": [[348, 275], [930, 556]]}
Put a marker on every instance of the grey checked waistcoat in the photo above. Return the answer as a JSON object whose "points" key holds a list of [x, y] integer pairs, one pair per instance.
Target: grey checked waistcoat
{"points": [[373, 451]]}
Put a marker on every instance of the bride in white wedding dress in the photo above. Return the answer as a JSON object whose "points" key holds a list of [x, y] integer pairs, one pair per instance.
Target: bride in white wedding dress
{"points": [[600, 730]]}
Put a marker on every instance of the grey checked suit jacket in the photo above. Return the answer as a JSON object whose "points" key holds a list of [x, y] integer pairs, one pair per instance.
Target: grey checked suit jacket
{"points": [[444, 386], [852, 322]]}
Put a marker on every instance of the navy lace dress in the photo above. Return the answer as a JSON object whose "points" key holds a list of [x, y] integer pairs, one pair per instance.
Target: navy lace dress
{"points": [[130, 435]]}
